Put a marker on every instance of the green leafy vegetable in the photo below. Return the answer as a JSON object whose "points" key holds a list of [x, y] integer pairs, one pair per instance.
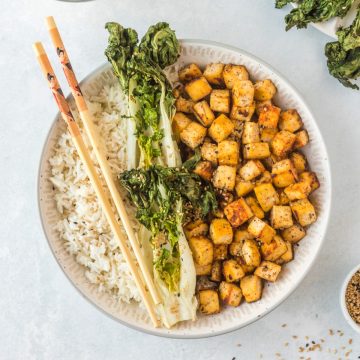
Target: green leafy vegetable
{"points": [[343, 56], [190, 163], [281, 3]]}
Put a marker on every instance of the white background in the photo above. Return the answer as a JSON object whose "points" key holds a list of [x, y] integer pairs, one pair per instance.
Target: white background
{"points": [[41, 315]]}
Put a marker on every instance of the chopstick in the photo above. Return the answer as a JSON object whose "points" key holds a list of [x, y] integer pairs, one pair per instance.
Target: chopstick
{"points": [[105, 169], [93, 176]]}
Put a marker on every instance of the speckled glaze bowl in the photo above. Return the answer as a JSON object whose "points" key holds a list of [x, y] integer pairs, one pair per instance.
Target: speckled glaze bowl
{"points": [[201, 52]]}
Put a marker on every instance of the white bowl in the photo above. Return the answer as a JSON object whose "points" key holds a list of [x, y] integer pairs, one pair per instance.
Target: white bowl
{"points": [[347, 316], [201, 52]]}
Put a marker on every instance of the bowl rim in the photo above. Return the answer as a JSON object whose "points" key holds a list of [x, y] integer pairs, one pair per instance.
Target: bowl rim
{"points": [[292, 288], [342, 301]]}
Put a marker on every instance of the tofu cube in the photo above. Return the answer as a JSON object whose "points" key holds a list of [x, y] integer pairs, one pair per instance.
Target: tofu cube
{"points": [[221, 232], [224, 177], [243, 93], [241, 235], [266, 196], [251, 253], [179, 123], [261, 230], [189, 72], [202, 250], [243, 187], [269, 117], [251, 287], [268, 271], [290, 120], [221, 128], [197, 89], [311, 179], [242, 113], [196, 228], [238, 212], [230, 294], [202, 270], [251, 170], [257, 150], [204, 169], [235, 249], [267, 134], [220, 252], [294, 233], [284, 179], [232, 271], [251, 133], [304, 212], [193, 135], [282, 166], [184, 105], [302, 139], [203, 113], [284, 200], [264, 90], [228, 152], [265, 178], [209, 302], [299, 161], [214, 73], [255, 207], [209, 152], [259, 106], [298, 191], [281, 217], [289, 254], [220, 100], [282, 143], [273, 250], [233, 73], [216, 271], [248, 269]]}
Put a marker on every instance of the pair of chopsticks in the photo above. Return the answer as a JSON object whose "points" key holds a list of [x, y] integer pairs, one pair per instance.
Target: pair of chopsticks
{"points": [[139, 270]]}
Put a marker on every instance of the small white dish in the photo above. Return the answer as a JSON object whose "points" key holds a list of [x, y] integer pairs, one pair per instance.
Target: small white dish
{"points": [[347, 316]]}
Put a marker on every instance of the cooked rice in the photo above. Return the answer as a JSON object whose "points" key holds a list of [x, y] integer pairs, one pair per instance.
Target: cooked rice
{"points": [[83, 226]]}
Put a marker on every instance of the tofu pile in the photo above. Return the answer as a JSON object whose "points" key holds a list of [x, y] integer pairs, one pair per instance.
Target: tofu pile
{"points": [[250, 153]]}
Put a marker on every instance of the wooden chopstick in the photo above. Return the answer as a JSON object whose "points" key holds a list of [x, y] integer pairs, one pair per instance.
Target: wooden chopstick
{"points": [[93, 176], [105, 169]]}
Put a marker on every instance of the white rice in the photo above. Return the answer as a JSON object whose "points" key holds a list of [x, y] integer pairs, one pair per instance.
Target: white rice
{"points": [[83, 227]]}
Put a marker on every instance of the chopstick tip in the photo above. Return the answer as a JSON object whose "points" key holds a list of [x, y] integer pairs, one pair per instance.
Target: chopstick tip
{"points": [[38, 48], [50, 22]]}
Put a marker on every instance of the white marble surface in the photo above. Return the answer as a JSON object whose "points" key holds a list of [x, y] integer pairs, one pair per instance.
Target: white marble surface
{"points": [[41, 315]]}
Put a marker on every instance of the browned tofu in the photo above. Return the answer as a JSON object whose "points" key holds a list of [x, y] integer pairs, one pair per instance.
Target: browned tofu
{"points": [[242, 113], [179, 123], [290, 120], [251, 287], [299, 161], [265, 178], [302, 139], [283, 165], [220, 252], [221, 128], [228, 152], [202, 269], [189, 72], [221, 232], [251, 253], [203, 113], [251, 133], [281, 217], [269, 117], [294, 233], [311, 179], [284, 179], [282, 143], [230, 294], [232, 271], [216, 271], [241, 235], [214, 73], [255, 207], [202, 249], [193, 135], [251, 170], [304, 212], [224, 177], [264, 90], [243, 187], [288, 255], [238, 212], [209, 302], [255, 151], [266, 195], [235, 249], [243, 93], [283, 199], [268, 271], [233, 73], [261, 230], [204, 169], [273, 250], [259, 106], [267, 134], [298, 191], [220, 100], [196, 228], [197, 89], [184, 105], [209, 152]]}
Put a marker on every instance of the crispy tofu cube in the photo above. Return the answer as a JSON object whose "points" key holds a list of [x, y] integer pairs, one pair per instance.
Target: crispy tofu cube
{"points": [[202, 249], [232, 271], [184, 105], [224, 177], [268, 271], [193, 135], [251, 253], [221, 128], [189, 72], [302, 139], [196, 228], [267, 134], [258, 150], [266, 196], [304, 212], [202, 269], [209, 152], [310, 178], [221, 232], [284, 179], [284, 173], [264, 90], [179, 123], [290, 120], [283, 199], [298, 191], [204, 169], [230, 294], [273, 250], [242, 113], [259, 106], [265, 178], [241, 235], [238, 212], [288, 255], [248, 269], [282, 166], [178, 90], [243, 187], [216, 271], [220, 252], [197, 89], [251, 133], [209, 302], [203, 113], [220, 100], [299, 161], [282, 143], [235, 249], [261, 230], [214, 73], [251, 287], [269, 117], [243, 93], [255, 207], [294, 233], [251, 170], [233, 73], [281, 217], [228, 152]]}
